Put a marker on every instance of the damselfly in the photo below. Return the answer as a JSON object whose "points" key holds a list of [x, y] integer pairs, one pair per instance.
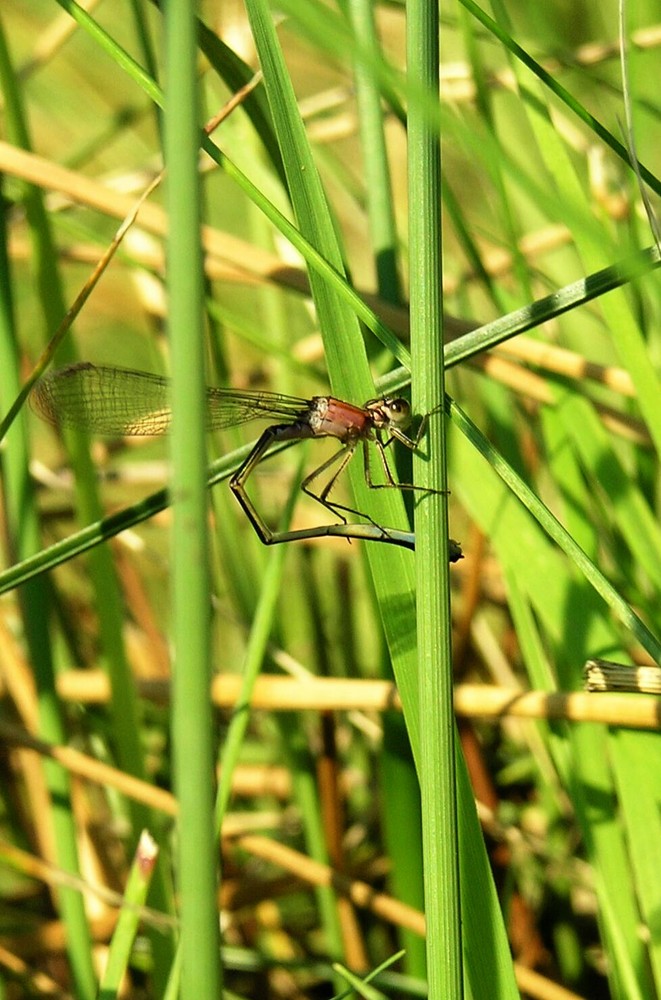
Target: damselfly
{"points": [[120, 401]]}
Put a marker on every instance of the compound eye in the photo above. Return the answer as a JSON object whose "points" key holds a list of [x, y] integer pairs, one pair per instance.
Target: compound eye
{"points": [[398, 410]]}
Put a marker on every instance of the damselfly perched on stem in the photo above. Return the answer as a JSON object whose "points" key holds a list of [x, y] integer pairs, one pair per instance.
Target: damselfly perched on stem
{"points": [[121, 401]]}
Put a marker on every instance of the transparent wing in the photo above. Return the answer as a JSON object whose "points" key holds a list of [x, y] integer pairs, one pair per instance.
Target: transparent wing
{"points": [[121, 401]]}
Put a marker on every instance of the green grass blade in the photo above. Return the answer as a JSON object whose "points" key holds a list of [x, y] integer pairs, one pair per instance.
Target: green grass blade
{"points": [[346, 358], [555, 530], [436, 770], [378, 185], [556, 88], [135, 897], [192, 719]]}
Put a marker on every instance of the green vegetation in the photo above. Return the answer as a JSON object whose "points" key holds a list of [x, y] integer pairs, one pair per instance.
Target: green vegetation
{"points": [[347, 808]]}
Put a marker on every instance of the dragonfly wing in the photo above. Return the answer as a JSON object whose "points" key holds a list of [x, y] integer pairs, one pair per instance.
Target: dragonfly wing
{"points": [[121, 401], [104, 400], [229, 407]]}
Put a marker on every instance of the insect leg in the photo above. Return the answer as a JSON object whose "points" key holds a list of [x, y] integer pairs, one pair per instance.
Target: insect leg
{"points": [[390, 481], [278, 432]]}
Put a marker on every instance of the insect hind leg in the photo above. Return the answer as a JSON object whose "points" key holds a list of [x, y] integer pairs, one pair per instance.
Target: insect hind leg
{"points": [[344, 455]]}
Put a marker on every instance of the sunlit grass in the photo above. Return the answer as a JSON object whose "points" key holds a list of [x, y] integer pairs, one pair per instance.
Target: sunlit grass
{"points": [[553, 472]]}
